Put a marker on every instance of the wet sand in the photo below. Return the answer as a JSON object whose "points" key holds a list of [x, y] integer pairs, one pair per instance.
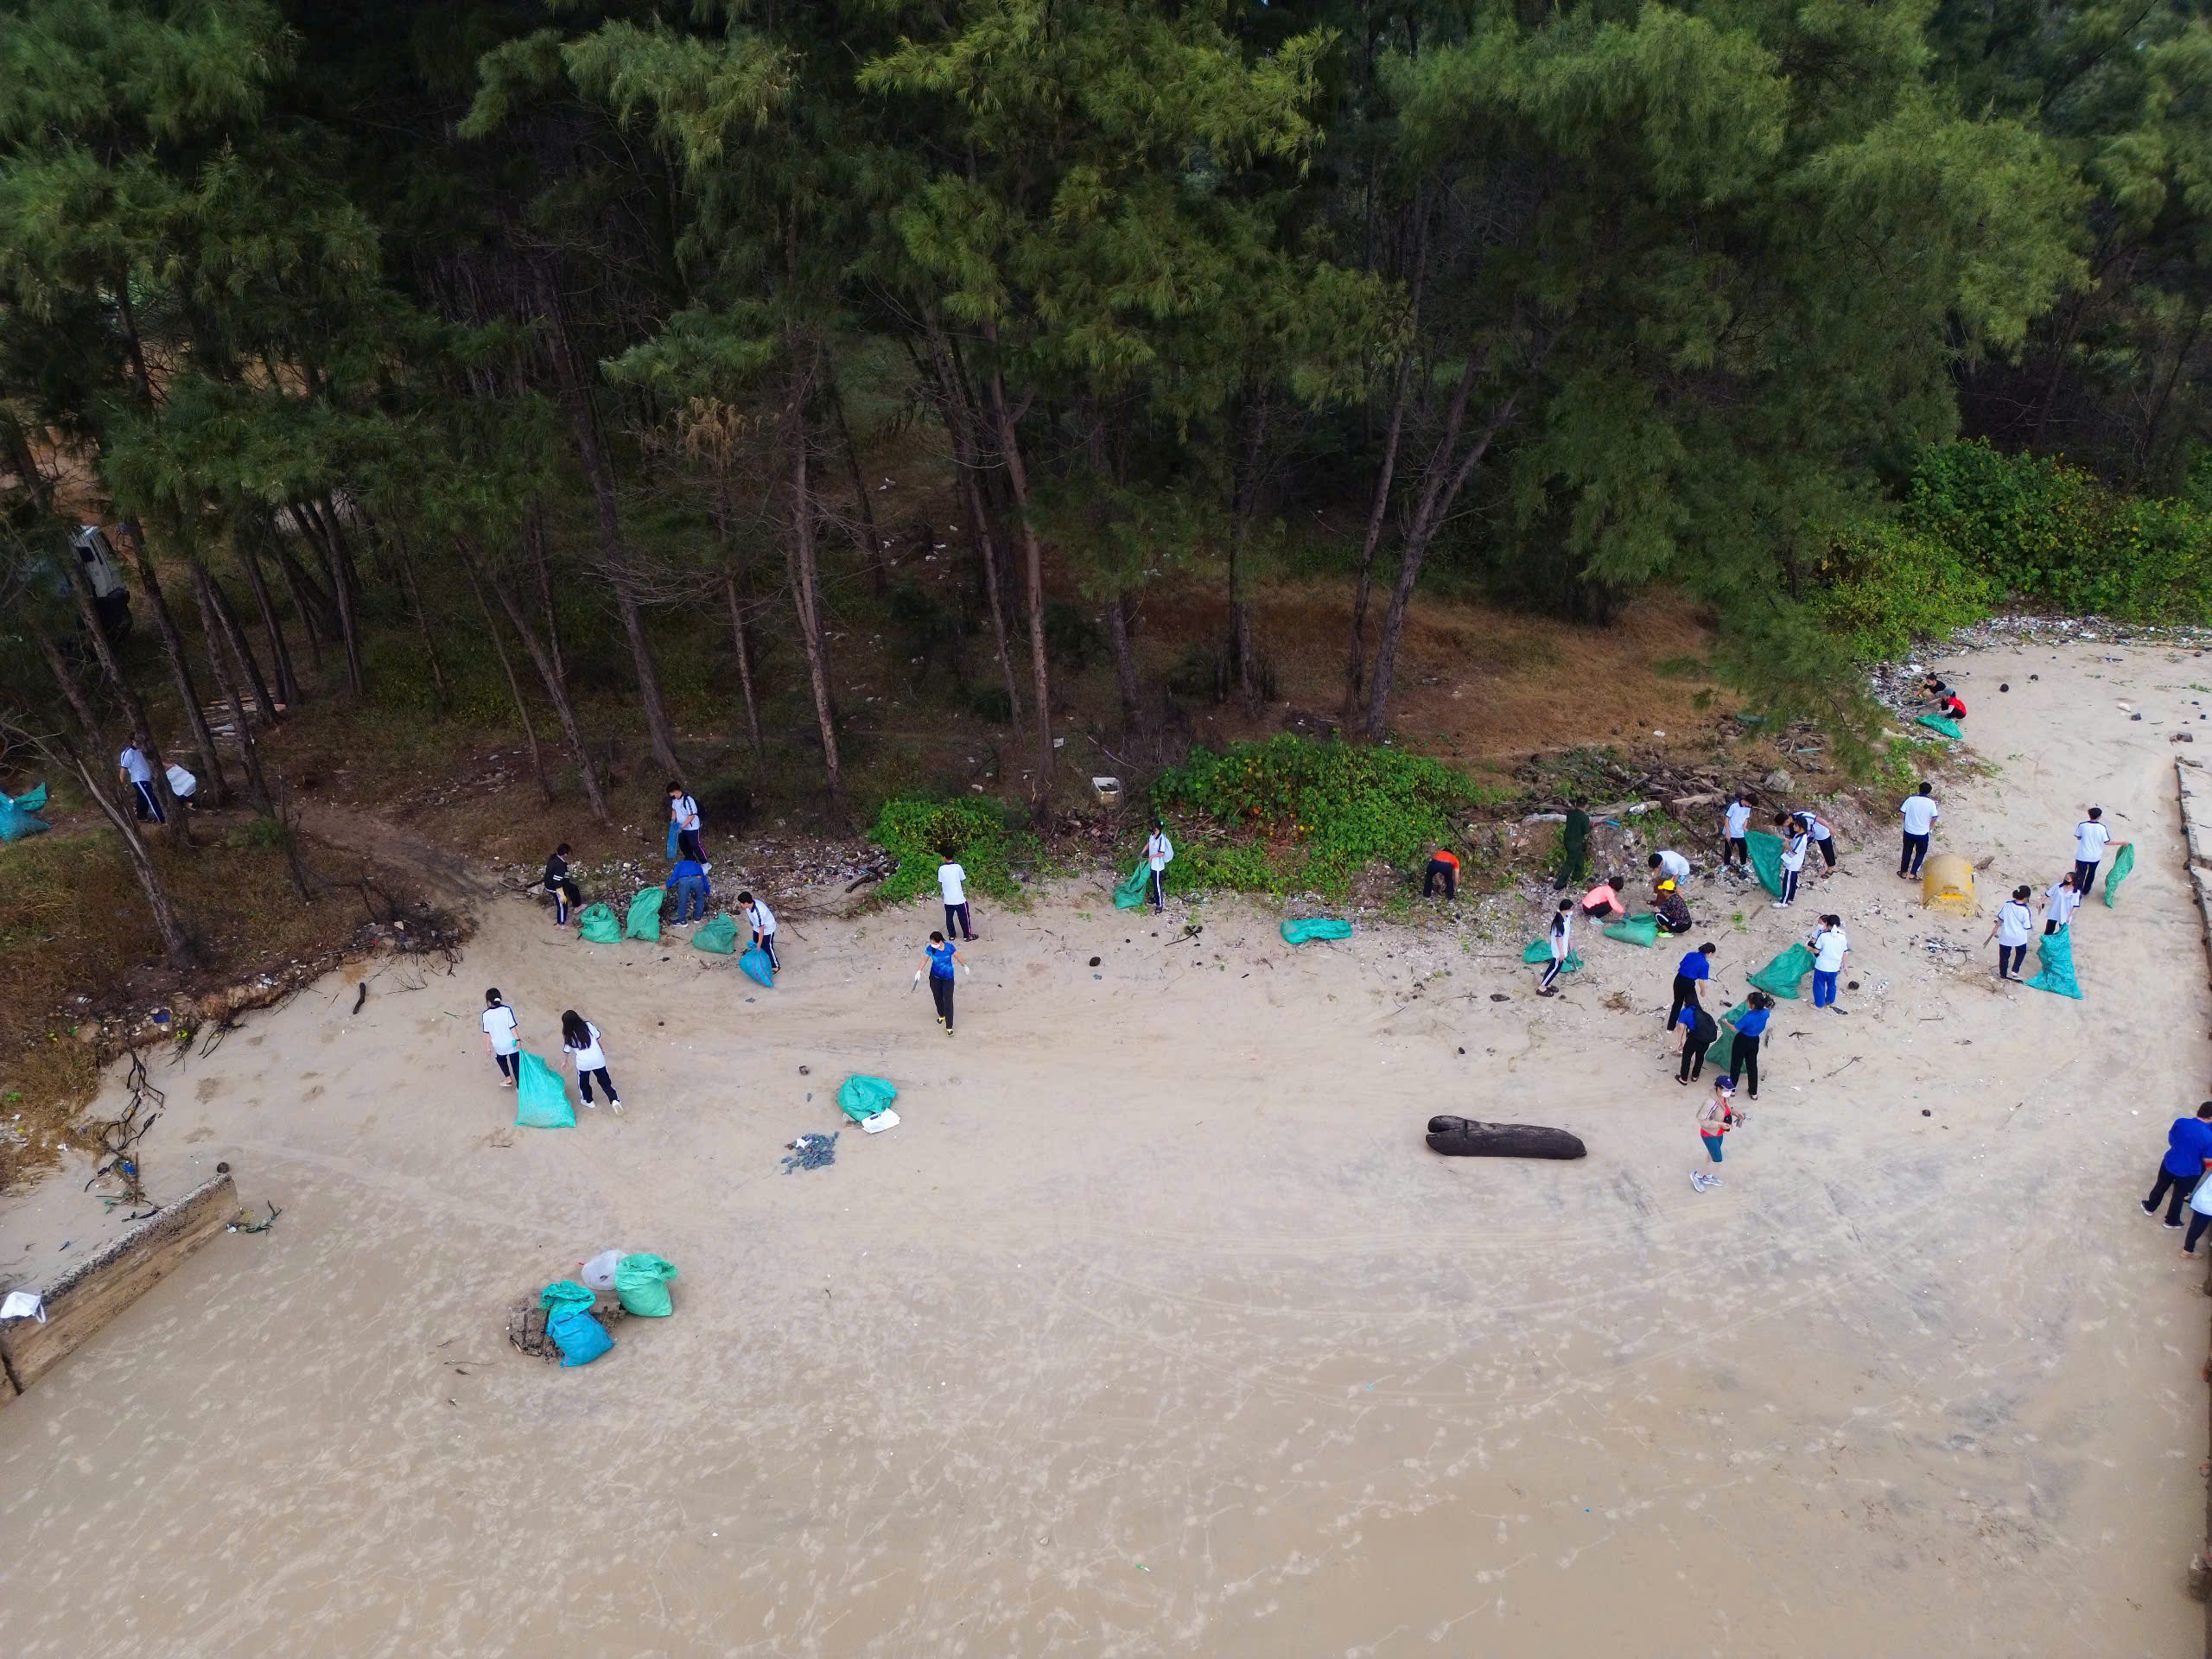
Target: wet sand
{"points": [[1155, 1329]]}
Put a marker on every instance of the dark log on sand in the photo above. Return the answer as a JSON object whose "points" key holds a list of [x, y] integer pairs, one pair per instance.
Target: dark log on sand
{"points": [[1466, 1137]]}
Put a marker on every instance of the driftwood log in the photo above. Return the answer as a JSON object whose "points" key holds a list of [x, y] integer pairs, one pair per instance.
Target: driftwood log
{"points": [[1468, 1137]]}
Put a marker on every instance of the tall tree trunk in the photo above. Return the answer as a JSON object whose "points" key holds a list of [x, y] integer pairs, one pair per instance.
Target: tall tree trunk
{"points": [[341, 589], [280, 657], [242, 655], [1125, 665], [805, 591], [406, 558], [1032, 558], [265, 801], [300, 585], [744, 669], [533, 538], [864, 531], [546, 673], [195, 720], [1243, 506], [514, 685], [967, 457], [1378, 512]]}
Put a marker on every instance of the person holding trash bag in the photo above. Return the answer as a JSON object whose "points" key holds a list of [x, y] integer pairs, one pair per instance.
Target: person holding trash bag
{"points": [[580, 1039], [1743, 1059], [1693, 968], [1562, 933], [688, 882], [503, 1036], [940, 959], [763, 922], [1159, 854], [562, 885]]}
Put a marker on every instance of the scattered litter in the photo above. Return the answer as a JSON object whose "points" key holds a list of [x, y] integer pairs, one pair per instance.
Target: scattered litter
{"points": [[811, 1152], [242, 1225]]}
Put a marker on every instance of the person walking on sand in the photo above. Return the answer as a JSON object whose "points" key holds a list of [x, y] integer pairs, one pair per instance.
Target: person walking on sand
{"points": [[1919, 813], [1793, 860], [561, 886], [1562, 932], [1829, 947], [1692, 971], [2014, 923], [503, 1036], [952, 887], [940, 959], [580, 1038], [1743, 1063], [1603, 902], [1714, 1119], [1700, 1032], [1736, 833], [684, 815], [1443, 863], [2060, 901], [688, 882], [1669, 866], [2090, 840], [2189, 1154], [1159, 854], [762, 920]]}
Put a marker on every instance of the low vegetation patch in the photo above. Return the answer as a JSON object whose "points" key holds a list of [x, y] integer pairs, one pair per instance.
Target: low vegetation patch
{"points": [[919, 833]]}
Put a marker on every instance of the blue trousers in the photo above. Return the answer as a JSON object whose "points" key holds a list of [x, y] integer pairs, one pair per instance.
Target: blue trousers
{"points": [[1823, 989], [690, 898]]}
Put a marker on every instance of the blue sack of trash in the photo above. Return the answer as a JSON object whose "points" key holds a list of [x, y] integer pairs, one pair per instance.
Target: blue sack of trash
{"points": [[16, 817], [757, 967], [568, 1321]]}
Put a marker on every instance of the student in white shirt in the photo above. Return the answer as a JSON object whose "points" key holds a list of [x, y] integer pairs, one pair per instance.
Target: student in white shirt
{"points": [[580, 1038], [2060, 900], [1818, 832], [1159, 854], [2014, 923], [683, 813], [1919, 812], [952, 885], [1793, 860], [1562, 930], [503, 1036], [137, 774], [1829, 947], [763, 921], [1735, 833], [2090, 840], [1670, 866]]}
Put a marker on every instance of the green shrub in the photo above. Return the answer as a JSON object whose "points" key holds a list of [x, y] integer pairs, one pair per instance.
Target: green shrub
{"points": [[1888, 585], [916, 832], [1202, 865]]}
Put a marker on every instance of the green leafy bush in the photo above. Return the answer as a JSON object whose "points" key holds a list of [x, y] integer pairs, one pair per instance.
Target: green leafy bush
{"points": [[917, 832], [1201, 866], [1889, 585], [1329, 809]]}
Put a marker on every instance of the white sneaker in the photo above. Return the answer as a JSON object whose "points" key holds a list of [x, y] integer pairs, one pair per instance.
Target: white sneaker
{"points": [[506, 1082], [1699, 1179], [1712, 1181], [617, 1105], [591, 1105]]}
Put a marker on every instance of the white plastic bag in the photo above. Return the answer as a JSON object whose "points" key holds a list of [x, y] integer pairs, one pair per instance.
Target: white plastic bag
{"points": [[599, 1272]]}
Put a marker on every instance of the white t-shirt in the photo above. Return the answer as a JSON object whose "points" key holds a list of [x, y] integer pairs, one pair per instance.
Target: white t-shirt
{"points": [[499, 1027], [685, 811], [1814, 827], [2014, 924], [1740, 820], [2089, 839], [764, 919], [949, 878], [588, 1057], [1674, 865], [134, 762], [182, 784], [1828, 946], [1793, 853], [1562, 930], [1160, 852], [2064, 901], [1919, 814]]}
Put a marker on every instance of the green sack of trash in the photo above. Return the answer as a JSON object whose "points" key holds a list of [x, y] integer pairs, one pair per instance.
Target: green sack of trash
{"points": [[1765, 854], [540, 1098], [717, 934], [1135, 893], [860, 1098], [31, 800], [2054, 951], [596, 925], [1938, 723], [644, 921], [1780, 976], [641, 1285], [1540, 950], [1315, 927], [1636, 930], [2123, 866]]}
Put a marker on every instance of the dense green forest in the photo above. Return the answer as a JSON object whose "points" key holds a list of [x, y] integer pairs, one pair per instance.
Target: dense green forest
{"points": [[444, 314]]}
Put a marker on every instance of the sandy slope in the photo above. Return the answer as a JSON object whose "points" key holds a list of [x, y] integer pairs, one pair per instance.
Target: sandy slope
{"points": [[1155, 1329]]}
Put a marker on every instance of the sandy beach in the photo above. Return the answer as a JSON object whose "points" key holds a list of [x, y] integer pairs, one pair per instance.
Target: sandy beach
{"points": [[1154, 1328]]}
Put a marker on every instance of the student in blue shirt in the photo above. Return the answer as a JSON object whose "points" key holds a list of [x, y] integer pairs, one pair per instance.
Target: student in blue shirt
{"points": [[1693, 968], [2189, 1149], [688, 882], [940, 958], [1744, 1065]]}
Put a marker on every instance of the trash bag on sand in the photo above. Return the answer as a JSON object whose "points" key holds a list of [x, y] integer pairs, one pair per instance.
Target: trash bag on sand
{"points": [[1636, 930], [2054, 951], [1540, 952], [1780, 977], [1315, 927], [580, 1337], [1765, 854], [2122, 867], [641, 1282], [596, 925], [541, 1100], [599, 1272], [1937, 723], [1135, 893], [757, 967], [860, 1098], [644, 921], [717, 934]]}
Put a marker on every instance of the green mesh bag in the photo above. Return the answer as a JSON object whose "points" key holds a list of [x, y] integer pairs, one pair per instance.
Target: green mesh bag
{"points": [[1315, 927], [861, 1097], [1135, 893], [1636, 930], [1937, 723], [717, 934], [644, 921], [2055, 952], [641, 1285], [541, 1100], [1540, 951], [1780, 976], [2122, 867], [1765, 852], [597, 925]]}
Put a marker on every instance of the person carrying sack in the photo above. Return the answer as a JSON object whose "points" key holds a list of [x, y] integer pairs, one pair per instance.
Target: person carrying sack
{"points": [[763, 921], [1159, 854]]}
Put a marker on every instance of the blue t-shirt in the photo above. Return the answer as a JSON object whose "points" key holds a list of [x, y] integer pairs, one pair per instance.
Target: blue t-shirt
{"points": [[2188, 1143], [940, 958], [1695, 966], [1752, 1023], [689, 869]]}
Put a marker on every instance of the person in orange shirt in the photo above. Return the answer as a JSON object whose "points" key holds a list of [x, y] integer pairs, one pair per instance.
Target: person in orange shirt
{"points": [[1444, 863], [1603, 902]]}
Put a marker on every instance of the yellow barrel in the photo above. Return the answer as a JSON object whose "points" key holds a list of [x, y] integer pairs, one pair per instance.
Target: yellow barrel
{"points": [[1947, 884]]}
